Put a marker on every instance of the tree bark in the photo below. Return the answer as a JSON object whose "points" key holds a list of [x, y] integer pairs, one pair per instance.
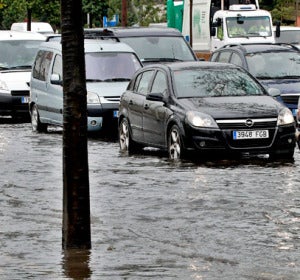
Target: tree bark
{"points": [[76, 200]]}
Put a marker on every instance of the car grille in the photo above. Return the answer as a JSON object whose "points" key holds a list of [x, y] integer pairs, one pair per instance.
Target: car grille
{"points": [[228, 126], [20, 92], [290, 99], [241, 123], [112, 98]]}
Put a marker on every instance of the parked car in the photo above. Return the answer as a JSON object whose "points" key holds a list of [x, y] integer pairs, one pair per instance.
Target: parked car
{"points": [[152, 44], [109, 67], [288, 35], [273, 65], [203, 107], [17, 53], [40, 27]]}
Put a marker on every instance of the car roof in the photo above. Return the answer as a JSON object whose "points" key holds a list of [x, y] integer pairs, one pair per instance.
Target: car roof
{"points": [[92, 45], [121, 32], [253, 48], [191, 64], [9, 35]]}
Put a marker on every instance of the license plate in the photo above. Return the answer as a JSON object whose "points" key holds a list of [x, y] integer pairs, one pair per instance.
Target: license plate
{"points": [[294, 111], [24, 99], [115, 113], [250, 134]]}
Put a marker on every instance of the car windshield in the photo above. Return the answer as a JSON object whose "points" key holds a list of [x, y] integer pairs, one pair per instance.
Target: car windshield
{"points": [[259, 26], [213, 82], [110, 66], [18, 54], [289, 36], [274, 65], [160, 48]]}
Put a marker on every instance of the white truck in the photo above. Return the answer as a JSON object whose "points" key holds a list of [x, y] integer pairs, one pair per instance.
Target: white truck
{"points": [[211, 24]]}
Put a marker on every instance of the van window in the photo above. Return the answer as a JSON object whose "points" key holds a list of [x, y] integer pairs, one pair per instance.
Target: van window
{"points": [[42, 65], [57, 66]]}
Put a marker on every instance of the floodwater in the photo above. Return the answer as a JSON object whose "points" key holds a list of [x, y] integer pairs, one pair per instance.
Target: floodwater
{"points": [[151, 219]]}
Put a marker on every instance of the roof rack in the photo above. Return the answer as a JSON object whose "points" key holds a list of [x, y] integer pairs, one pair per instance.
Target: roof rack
{"points": [[102, 34]]}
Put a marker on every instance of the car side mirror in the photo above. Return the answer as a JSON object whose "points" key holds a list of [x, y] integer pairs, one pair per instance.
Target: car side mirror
{"points": [[277, 31], [55, 79], [274, 92], [155, 96]]}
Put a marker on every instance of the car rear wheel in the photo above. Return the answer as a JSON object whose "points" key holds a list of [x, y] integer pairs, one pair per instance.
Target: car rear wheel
{"points": [[35, 121], [175, 147], [125, 141]]}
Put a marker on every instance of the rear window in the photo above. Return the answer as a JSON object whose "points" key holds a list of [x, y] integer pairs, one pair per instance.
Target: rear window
{"points": [[155, 48]]}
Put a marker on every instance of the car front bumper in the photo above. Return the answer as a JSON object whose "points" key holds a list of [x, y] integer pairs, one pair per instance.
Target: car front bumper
{"points": [[280, 140], [14, 104]]}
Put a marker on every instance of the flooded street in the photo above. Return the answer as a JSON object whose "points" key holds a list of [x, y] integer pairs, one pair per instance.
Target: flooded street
{"points": [[151, 219]]}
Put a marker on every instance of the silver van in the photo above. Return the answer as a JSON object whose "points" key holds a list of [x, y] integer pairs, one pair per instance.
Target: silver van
{"points": [[109, 67]]}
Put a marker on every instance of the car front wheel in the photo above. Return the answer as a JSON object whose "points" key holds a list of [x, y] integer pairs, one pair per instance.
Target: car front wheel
{"points": [[125, 141], [35, 121], [175, 147]]}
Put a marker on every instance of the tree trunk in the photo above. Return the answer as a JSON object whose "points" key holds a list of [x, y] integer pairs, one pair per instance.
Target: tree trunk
{"points": [[76, 201]]}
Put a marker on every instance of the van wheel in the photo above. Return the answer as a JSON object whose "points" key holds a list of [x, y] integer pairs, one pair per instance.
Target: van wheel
{"points": [[36, 124]]}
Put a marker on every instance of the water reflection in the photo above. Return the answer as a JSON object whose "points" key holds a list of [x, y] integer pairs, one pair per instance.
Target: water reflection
{"points": [[76, 264]]}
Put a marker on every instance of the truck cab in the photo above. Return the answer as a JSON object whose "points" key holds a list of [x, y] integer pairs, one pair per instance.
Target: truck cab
{"points": [[211, 24], [241, 24]]}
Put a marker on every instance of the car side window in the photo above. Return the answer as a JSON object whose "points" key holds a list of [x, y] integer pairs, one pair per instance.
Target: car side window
{"points": [[236, 59], [159, 83], [57, 66], [42, 65], [143, 86], [224, 57]]}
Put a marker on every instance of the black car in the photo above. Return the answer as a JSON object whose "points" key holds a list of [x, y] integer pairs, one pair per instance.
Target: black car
{"points": [[151, 44], [274, 65], [203, 107]]}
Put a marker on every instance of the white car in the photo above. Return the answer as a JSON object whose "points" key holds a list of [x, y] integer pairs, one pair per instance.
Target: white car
{"points": [[17, 53], [289, 35], [109, 67]]}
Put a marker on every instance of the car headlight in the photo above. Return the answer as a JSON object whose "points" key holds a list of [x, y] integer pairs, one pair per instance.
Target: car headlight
{"points": [[200, 120], [92, 98], [3, 86], [285, 117]]}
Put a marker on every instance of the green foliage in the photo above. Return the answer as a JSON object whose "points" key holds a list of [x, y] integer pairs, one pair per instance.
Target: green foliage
{"points": [[139, 12], [96, 9], [42, 10]]}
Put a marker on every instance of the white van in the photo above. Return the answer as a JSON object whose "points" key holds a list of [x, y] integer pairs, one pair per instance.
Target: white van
{"points": [[17, 53], [40, 27], [109, 67]]}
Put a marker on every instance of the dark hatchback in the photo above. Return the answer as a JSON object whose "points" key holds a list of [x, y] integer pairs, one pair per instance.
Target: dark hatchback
{"points": [[151, 44], [206, 107], [275, 66]]}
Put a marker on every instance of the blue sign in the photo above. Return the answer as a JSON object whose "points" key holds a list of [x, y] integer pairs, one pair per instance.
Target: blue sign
{"points": [[111, 23]]}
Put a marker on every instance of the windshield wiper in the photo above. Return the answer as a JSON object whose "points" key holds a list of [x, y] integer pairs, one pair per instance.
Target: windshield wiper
{"points": [[93, 80], [289, 77], [20, 67], [163, 59], [117, 80]]}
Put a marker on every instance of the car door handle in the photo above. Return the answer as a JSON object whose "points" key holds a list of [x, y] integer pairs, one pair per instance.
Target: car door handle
{"points": [[130, 102], [146, 106]]}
